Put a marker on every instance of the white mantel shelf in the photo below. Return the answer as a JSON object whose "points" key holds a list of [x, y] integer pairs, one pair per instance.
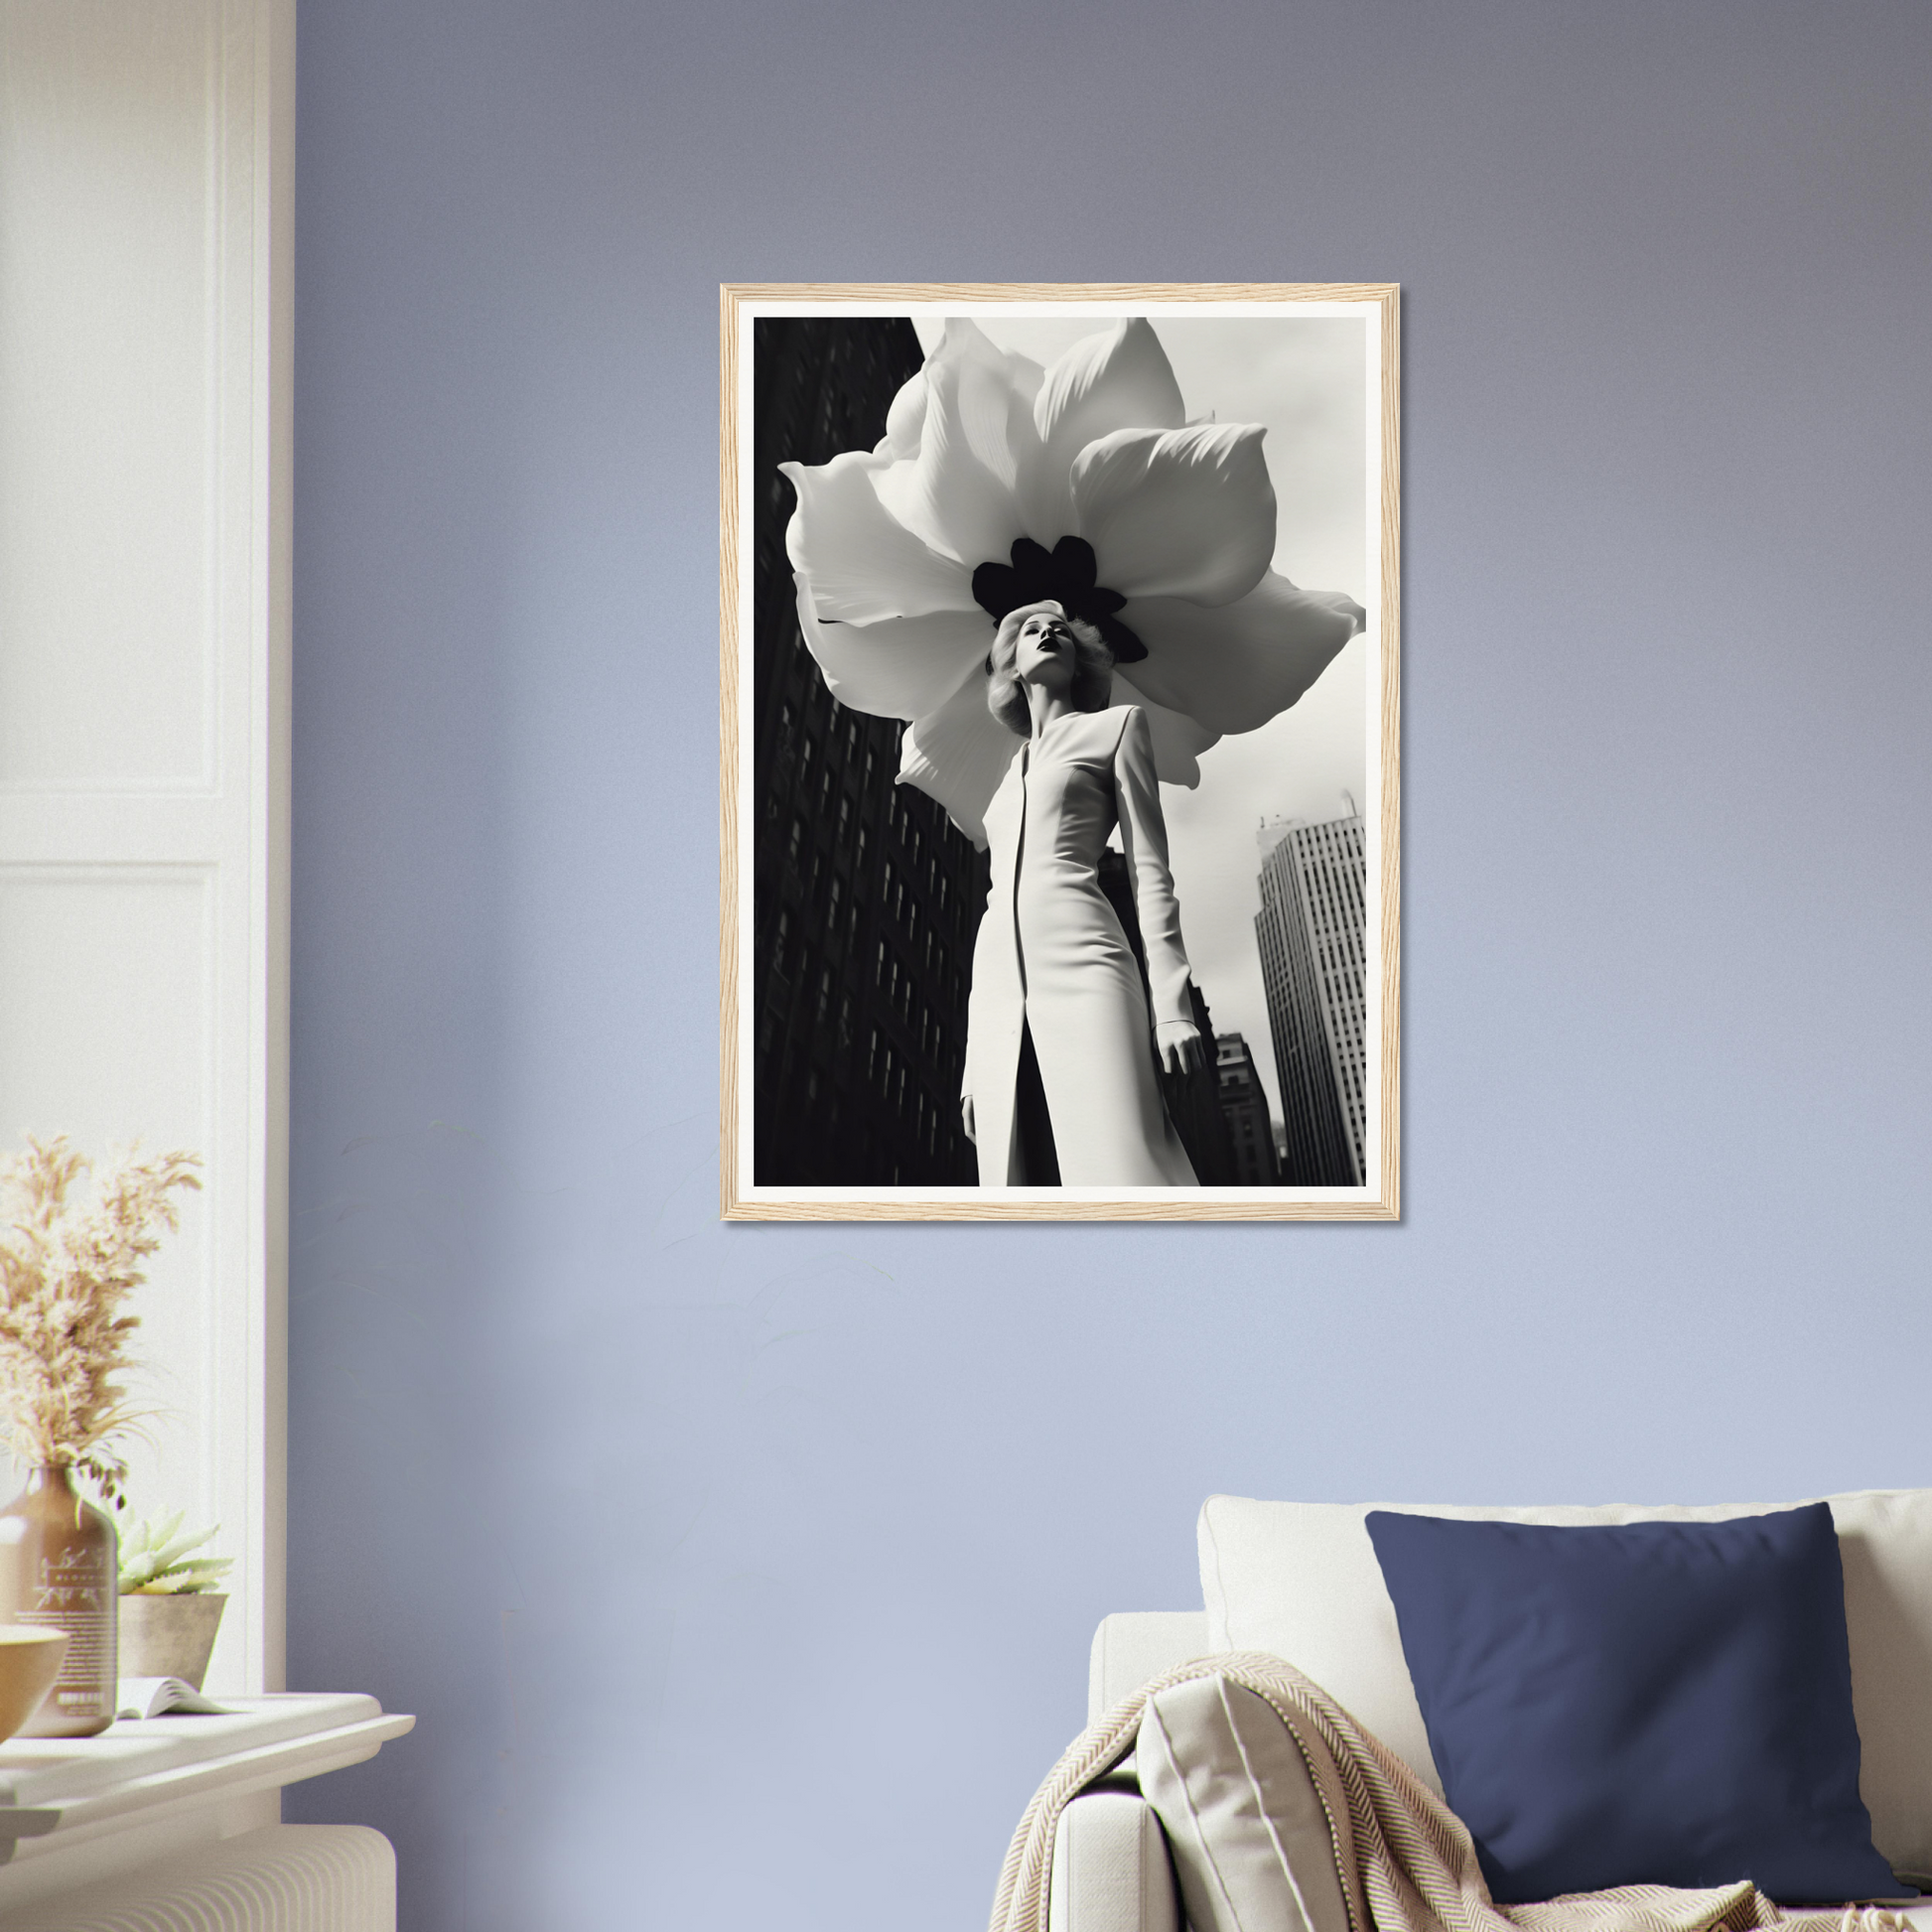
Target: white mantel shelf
{"points": [[157, 1778]]}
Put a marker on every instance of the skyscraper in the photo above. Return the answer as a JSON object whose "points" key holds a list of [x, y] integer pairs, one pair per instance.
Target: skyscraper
{"points": [[1244, 1106], [1311, 931], [866, 896]]}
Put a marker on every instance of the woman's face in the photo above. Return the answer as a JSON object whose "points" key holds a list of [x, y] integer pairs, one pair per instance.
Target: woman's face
{"points": [[1043, 650]]}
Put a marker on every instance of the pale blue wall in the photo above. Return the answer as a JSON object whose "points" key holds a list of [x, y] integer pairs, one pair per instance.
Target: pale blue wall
{"points": [[743, 1578]]}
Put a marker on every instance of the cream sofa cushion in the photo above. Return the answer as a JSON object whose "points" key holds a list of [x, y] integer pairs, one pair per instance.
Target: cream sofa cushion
{"points": [[1250, 1837], [1301, 1579], [1133, 1647]]}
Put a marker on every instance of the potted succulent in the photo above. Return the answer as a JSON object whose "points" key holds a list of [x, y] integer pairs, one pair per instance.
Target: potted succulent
{"points": [[171, 1607]]}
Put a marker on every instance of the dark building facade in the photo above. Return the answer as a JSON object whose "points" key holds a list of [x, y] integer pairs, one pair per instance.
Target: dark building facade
{"points": [[866, 897], [1311, 935], [1244, 1105]]}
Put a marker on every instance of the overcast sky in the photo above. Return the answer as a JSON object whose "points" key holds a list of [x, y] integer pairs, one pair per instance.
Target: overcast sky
{"points": [[1303, 377]]}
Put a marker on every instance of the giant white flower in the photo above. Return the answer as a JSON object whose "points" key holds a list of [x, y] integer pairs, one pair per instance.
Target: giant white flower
{"points": [[999, 484]]}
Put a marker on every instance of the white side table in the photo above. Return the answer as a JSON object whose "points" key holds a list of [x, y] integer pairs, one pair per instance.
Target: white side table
{"points": [[92, 1815]]}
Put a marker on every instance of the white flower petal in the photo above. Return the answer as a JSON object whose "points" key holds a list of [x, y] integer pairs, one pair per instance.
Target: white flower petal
{"points": [[995, 401], [900, 667], [1117, 379], [862, 564], [958, 754], [959, 494], [1235, 666], [1178, 740], [1186, 513], [904, 421]]}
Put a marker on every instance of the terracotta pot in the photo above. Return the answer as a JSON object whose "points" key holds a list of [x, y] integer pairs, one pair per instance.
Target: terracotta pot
{"points": [[60, 1573], [169, 1636]]}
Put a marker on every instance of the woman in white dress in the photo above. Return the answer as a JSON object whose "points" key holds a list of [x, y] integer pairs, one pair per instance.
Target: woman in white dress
{"points": [[1060, 1083]]}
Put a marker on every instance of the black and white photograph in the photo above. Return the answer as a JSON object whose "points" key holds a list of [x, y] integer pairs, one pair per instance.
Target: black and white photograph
{"points": [[1060, 788]]}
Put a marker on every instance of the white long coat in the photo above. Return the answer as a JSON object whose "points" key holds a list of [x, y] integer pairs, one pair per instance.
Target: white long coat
{"points": [[1050, 954]]}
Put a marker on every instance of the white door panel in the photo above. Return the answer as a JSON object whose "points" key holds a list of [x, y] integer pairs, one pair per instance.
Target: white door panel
{"points": [[144, 279]]}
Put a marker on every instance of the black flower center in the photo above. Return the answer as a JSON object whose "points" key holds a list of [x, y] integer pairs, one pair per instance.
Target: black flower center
{"points": [[1065, 576]]}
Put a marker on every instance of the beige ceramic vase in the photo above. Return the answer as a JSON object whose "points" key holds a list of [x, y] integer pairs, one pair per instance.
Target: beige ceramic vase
{"points": [[59, 1572]]}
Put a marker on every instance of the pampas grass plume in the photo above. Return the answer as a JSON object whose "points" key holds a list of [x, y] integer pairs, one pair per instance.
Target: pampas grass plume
{"points": [[67, 1264]]}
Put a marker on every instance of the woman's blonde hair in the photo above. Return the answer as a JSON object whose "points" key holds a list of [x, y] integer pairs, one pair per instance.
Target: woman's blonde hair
{"points": [[1093, 670]]}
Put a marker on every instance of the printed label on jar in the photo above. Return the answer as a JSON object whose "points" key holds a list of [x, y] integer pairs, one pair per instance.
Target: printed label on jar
{"points": [[74, 1592]]}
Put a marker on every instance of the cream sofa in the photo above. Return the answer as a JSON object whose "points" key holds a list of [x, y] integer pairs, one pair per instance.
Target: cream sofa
{"points": [[1301, 1579]]}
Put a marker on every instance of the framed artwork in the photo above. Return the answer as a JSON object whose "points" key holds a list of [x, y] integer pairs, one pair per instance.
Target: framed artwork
{"points": [[1060, 751]]}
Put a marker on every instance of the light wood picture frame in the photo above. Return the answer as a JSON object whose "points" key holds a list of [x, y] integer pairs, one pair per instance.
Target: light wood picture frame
{"points": [[1186, 454]]}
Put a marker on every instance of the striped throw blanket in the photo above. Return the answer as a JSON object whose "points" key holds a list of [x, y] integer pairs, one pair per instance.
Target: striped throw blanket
{"points": [[1406, 1862]]}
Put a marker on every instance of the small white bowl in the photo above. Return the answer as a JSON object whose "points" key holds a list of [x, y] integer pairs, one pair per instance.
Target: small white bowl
{"points": [[29, 1661]]}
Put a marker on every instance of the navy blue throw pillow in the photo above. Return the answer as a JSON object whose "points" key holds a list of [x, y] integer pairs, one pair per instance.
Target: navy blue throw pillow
{"points": [[1639, 1703]]}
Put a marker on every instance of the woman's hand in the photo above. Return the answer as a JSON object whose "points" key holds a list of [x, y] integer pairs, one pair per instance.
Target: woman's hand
{"points": [[966, 1116], [1182, 1050]]}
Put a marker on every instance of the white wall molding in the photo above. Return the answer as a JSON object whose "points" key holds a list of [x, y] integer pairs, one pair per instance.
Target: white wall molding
{"points": [[146, 209]]}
